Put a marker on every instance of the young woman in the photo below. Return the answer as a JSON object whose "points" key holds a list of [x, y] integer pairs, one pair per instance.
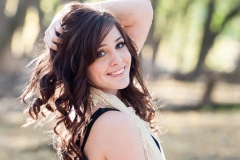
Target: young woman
{"points": [[89, 83]]}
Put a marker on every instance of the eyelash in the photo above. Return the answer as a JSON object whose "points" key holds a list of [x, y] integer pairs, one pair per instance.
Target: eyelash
{"points": [[117, 47]]}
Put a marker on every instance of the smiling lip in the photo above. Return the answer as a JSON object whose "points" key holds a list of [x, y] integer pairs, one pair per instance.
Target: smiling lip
{"points": [[118, 72]]}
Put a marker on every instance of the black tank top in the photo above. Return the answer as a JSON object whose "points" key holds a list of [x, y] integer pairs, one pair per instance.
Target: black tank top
{"points": [[93, 118]]}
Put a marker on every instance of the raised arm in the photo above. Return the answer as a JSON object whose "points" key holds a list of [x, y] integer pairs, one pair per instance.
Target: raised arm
{"points": [[134, 15]]}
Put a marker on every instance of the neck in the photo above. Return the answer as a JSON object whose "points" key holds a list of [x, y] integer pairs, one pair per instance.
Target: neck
{"points": [[114, 92]]}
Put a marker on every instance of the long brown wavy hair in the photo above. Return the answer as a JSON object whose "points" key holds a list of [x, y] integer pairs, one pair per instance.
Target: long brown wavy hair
{"points": [[59, 82]]}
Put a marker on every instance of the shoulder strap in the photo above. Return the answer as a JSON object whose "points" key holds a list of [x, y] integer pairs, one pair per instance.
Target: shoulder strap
{"points": [[156, 143], [94, 117]]}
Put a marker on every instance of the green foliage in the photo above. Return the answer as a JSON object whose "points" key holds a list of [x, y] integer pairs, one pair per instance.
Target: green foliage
{"points": [[180, 24], [222, 9]]}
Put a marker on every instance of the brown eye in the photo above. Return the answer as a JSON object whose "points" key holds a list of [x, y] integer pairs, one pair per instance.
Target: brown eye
{"points": [[120, 45], [100, 54]]}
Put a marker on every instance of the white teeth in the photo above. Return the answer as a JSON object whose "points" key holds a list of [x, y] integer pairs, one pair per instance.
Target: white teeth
{"points": [[118, 72]]}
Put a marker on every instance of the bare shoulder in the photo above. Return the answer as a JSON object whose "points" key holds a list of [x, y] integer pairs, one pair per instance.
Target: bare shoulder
{"points": [[115, 120], [114, 136]]}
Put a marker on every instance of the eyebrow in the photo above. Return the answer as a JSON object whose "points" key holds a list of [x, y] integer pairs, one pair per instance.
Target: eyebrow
{"points": [[115, 41]]}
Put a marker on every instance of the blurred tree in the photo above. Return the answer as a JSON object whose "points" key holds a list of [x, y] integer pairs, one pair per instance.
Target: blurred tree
{"points": [[209, 35], [152, 39], [2, 15], [11, 23], [167, 17], [14, 22], [237, 69]]}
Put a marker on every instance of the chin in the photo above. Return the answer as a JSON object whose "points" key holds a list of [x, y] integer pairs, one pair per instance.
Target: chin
{"points": [[124, 85]]}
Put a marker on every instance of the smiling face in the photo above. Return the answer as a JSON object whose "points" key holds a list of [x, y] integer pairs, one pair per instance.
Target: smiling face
{"points": [[110, 71]]}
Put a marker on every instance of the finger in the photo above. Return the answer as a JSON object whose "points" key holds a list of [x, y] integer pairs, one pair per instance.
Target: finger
{"points": [[45, 39], [53, 46], [54, 37], [47, 35], [59, 41], [49, 43], [46, 32], [59, 28]]}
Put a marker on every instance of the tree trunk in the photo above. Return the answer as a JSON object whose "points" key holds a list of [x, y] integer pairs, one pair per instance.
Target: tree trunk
{"points": [[207, 41], [41, 17], [2, 15], [211, 81], [12, 23]]}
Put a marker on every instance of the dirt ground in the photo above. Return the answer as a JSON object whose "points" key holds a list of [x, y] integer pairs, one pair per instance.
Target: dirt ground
{"points": [[201, 135], [187, 135]]}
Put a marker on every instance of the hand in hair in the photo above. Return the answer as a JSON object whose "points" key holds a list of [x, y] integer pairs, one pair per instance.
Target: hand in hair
{"points": [[53, 32]]}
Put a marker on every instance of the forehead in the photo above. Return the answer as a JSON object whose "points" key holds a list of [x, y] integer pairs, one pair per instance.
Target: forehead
{"points": [[112, 35]]}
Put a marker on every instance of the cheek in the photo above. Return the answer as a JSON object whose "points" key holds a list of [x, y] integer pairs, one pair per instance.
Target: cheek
{"points": [[94, 71], [91, 72], [128, 58]]}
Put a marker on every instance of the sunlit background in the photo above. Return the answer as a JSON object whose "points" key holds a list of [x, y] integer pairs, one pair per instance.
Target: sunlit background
{"points": [[191, 63]]}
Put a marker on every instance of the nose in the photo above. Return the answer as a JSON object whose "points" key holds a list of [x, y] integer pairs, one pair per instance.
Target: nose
{"points": [[116, 58]]}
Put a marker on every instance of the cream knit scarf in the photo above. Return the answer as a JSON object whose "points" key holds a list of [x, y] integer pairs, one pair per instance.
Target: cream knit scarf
{"points": [[151, 150]]}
